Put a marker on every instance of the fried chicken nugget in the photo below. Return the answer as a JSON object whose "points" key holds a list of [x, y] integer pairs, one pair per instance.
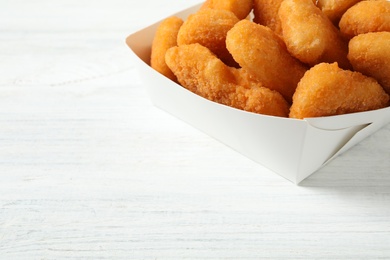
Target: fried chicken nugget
{"points": [[209, 27], [310, 36], [262, 53], [369, 54], [327, 90], [165, 38], [201, 72], [266, 13], [364, 17], [241, 8], [334, 9]]}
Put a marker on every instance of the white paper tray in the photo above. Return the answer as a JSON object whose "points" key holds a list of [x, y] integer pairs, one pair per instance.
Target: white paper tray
{"points": [[291, 148]]}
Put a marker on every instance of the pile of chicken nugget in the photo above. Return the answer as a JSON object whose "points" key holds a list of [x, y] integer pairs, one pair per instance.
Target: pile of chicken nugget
{"points": [[287, 58]]}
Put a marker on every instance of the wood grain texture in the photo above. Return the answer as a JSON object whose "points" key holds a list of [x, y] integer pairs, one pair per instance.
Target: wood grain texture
{"points": [[91, 170]]}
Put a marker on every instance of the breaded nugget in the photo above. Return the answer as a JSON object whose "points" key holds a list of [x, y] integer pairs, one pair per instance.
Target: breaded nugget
{"points": [[241, 8], [165, 38], [309, 34], [364, 17], [266, 13], [263, 54], [208, 27], [201, 72], [369, 54], [334, 9], [327, 90]]}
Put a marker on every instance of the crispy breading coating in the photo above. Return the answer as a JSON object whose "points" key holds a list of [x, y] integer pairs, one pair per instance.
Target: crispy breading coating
{"points": [[165, 38], [364, 17], [209, 27], [266, 13], [334, 9], [327, 90], [241, 8], [201, 72], [369, 54], [262, 53], [309, 34]]}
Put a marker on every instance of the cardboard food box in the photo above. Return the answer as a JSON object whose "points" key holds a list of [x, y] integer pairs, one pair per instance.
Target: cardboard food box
{"points": [[291, 148]]}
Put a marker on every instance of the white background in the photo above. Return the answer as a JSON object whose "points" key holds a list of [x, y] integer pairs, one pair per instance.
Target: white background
{"points": [[91, 170]]}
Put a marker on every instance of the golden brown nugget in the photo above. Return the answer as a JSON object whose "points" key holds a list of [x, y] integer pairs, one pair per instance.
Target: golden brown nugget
{"points": [[327, 90], [201, 72], [241, 8], [263, 54], [266, 13], [209, 27], [334, 9], [364, 17], [165, 38], [369, 54], [310, 36]]}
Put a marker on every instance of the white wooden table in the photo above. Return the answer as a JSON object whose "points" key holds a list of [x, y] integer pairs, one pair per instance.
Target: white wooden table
{"points": [[91, 170]]}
